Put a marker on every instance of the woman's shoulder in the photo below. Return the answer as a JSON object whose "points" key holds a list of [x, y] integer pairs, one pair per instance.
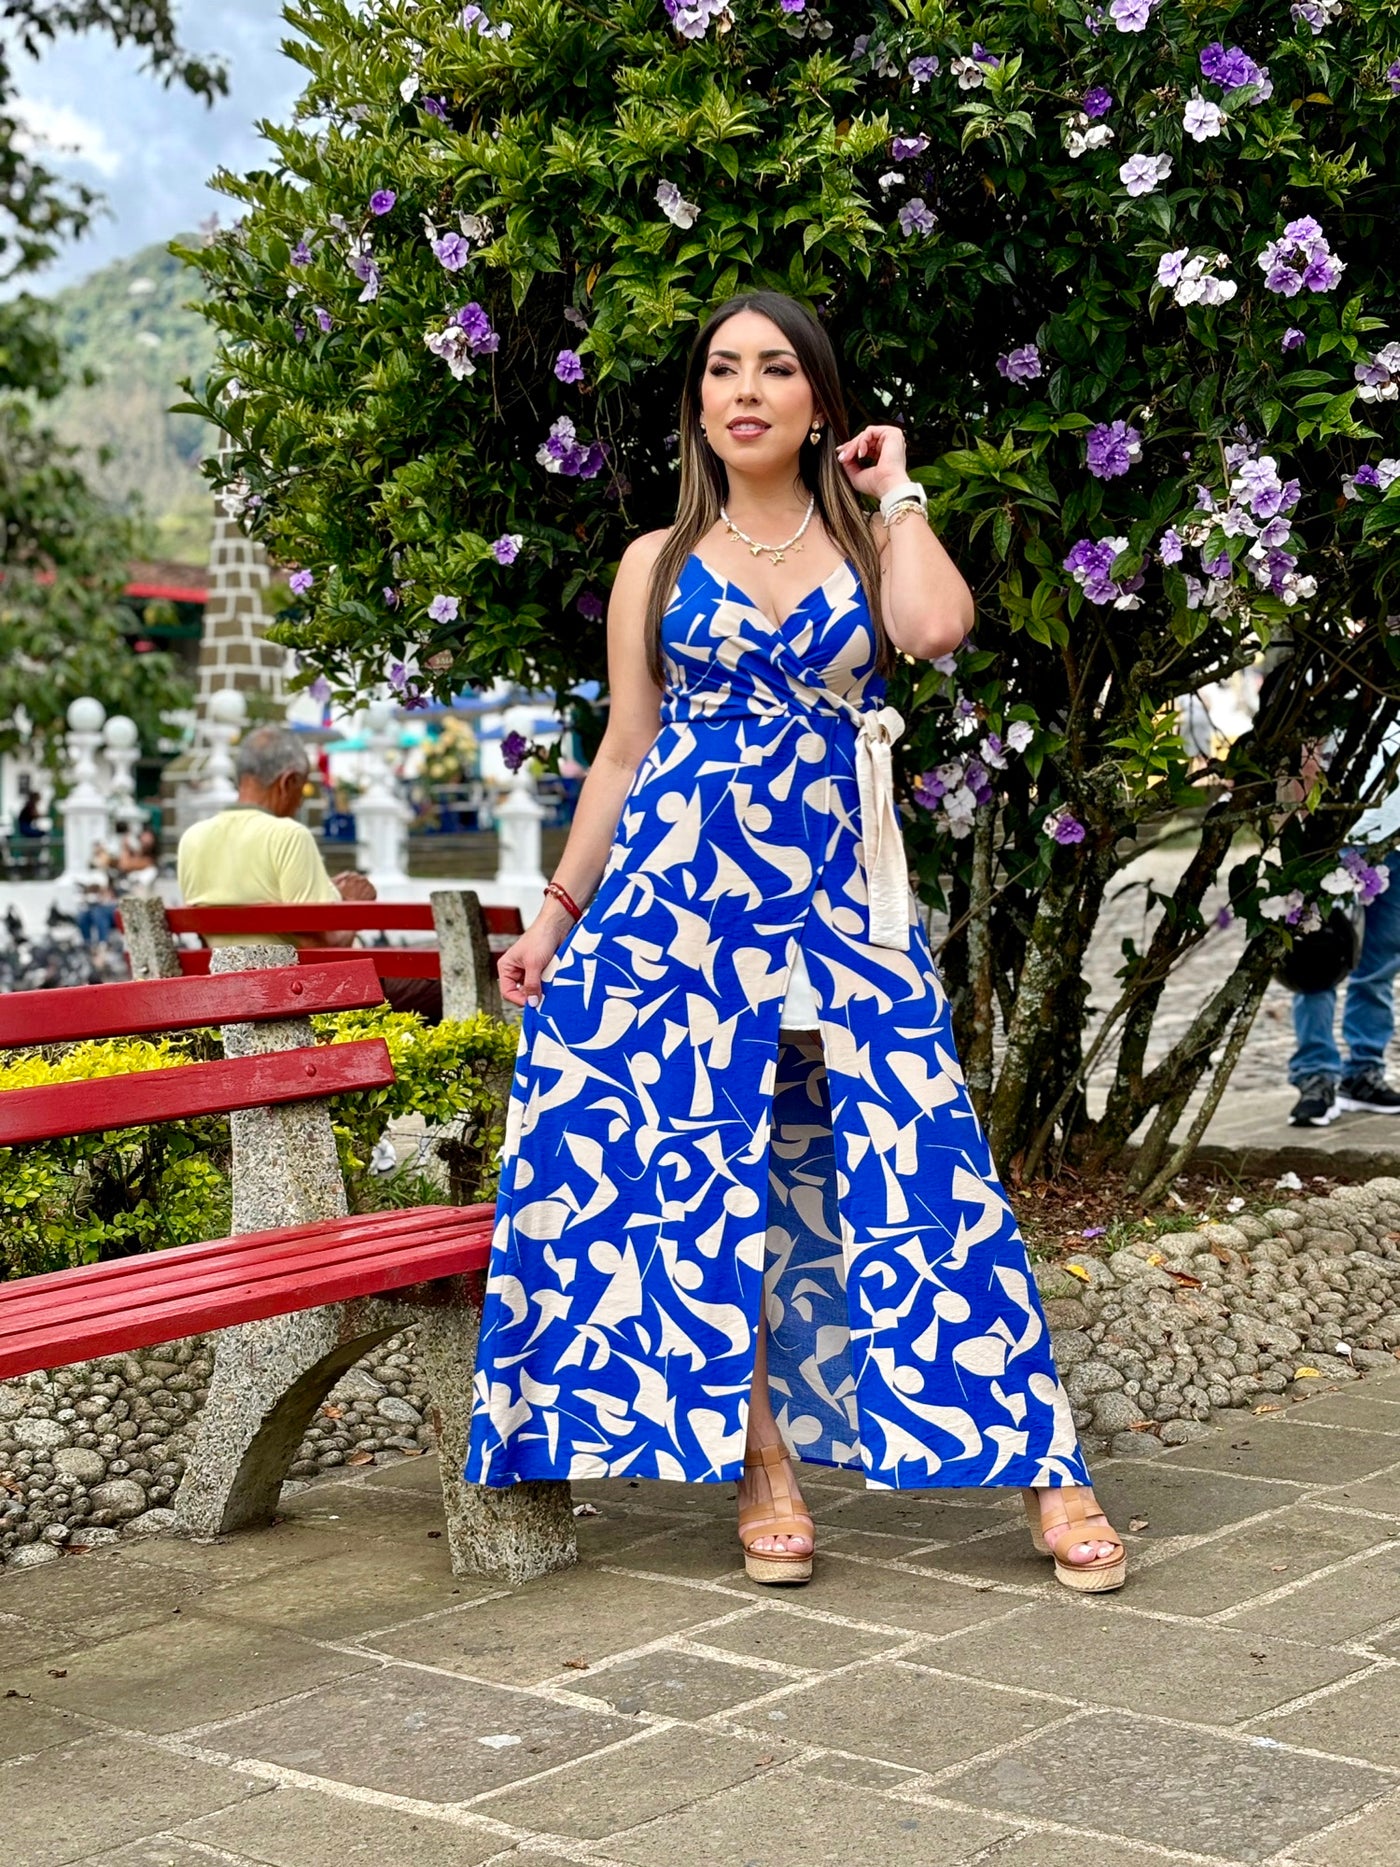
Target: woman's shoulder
{"points": [[643, 551]]}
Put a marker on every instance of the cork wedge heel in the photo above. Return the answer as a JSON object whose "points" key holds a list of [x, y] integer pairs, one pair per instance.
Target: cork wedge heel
{"points": [[780, 1513]]}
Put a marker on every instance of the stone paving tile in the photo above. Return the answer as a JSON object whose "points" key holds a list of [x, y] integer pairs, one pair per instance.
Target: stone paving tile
{"points": [[1254, 1561], [793, 1816], [1361, 1719], [304, 1828], [26, 1728], [1373, 1403], [615, 1534], [239, 1558], [918, 1515], [527, 1635], [635, 1783], [914, 1603], [1339, 1607], [1051, 1850], [420, 1734], [705, 1549], [672, 1685], [92, 1597], [126, 1792], [1285, 1446], [1180, 1503], [901, 1713], [22, 1641], [408, 1474], [362, 1509], [1381, 1495], [794, 1637], [188, 1672], [166, 1851], [652, 1494], [1372, 1840], [1148, 1781], [1212, 1675], [350, 1592]]}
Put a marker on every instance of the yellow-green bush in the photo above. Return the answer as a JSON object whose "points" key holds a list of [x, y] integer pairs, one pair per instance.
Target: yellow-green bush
{"points": [[76, 1199]]}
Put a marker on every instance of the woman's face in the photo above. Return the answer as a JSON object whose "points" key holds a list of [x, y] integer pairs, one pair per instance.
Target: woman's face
{"points": [[756, 403]]}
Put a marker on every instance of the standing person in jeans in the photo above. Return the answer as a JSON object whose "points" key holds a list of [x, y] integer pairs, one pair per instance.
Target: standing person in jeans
{"points": [[1326, 1084], [256, 852]]}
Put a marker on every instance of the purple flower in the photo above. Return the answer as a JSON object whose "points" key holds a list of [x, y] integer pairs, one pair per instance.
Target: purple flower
{"points": [[299, 333], [591, 607], [923, 70], [1366, 475], [1230, 68], [481, 339], [382, 200], [435, 108], [515, 749], [1217, 566], [916, 217], [1063, 827], [1392, 77], [1093, 1231], [1169, 546], [1224, 919], [1111, 449], [444, 608], [365, 270], [1293, 339], [562, 452], [300, 582], [793, 6], [1020, 365], [301, 254], [929, 790], [568, 366], [1097, 102], [1130, 15], [1141, 174], [452, 251], [507, 547], [907, 148], [323, 318], [391, 597], [320, 690]]}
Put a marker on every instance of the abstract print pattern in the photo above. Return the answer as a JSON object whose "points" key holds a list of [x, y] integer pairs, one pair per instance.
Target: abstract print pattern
{"points": [[671, 1163]]}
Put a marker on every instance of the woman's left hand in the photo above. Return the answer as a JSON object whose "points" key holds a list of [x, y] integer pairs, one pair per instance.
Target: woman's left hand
{"points": [[874, 460]]}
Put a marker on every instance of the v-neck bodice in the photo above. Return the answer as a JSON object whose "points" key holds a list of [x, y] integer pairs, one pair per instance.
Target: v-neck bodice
{"points": [[725, 656]]}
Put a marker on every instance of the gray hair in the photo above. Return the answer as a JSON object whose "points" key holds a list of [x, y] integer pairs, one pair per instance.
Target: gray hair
{"points": [[269, 752]]}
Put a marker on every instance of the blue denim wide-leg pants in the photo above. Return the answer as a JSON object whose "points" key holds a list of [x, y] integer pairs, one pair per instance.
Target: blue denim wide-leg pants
{"points": [[1368, 1016]]}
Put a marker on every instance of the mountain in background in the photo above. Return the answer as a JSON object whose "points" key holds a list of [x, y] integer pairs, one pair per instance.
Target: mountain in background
{"points": [[129, 327]]}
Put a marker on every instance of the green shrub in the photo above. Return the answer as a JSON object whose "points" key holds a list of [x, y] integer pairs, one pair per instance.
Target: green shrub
{"points": [[84, 1197]]}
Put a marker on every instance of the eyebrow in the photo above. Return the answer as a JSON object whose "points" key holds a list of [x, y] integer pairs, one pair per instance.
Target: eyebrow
{"points": [[763, 355]]}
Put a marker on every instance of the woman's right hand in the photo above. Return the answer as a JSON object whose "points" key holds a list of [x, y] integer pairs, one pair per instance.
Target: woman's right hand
{"points": [[521, 967]]}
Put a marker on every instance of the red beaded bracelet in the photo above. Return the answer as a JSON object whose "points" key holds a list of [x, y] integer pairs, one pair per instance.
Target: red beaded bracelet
{"points": [[565, 900]]}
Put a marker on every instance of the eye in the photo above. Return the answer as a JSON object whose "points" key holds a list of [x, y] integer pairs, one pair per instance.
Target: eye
{"points": [[778, 369]]}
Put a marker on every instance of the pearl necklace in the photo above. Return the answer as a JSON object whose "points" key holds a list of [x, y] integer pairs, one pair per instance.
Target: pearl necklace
{"points": [[775, 552]]}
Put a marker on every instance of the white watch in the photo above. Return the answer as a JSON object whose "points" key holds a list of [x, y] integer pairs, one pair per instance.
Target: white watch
{"points": [[901, 495]]}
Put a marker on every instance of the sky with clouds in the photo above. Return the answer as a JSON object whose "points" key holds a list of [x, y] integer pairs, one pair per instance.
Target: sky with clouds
{"points": [[150, 151]]}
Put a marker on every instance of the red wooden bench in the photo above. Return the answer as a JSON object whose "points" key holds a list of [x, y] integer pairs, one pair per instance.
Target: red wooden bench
{"points": [[487, 931], [425, 1260]]}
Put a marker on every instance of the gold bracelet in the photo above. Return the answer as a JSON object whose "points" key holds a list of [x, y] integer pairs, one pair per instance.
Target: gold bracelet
{"points": [[902, 511]]}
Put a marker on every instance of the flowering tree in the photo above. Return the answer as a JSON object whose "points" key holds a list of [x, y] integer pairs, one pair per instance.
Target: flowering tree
{"points": [[1123, 273]]}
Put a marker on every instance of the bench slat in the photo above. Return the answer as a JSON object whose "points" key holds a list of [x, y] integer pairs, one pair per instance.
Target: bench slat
{"points": [[167, 1277], [114, 1102], [461, 1247], [99, 1281], [308, 917], [74, 1013], [389, 962]]}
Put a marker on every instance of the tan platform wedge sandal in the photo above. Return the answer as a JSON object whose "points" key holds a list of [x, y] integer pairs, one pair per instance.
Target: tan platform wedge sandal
{"points": [[1104, 1573], [780, 1514]]}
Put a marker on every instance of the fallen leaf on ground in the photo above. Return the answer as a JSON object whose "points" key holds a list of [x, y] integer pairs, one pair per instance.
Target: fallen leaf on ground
{"points": [[1137, 1523], [1306, 1374], [1186, 1280], [576, 1666], [333, 1413], [360, 1458], [1269, 1406], [585, 1510], [1078, 1270]]}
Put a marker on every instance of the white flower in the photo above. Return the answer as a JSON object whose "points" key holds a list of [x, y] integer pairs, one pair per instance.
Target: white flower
{"points": [[1201, 119], [1019, 735], [454, 347], [675, 207], [1289, 1183], [1096, 136], [1387, 472], [968, 73], [1141, 174], [892, 180], [1339, 883], [408, 90]]}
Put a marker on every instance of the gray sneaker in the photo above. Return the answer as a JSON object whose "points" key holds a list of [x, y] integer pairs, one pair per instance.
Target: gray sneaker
{"points": [[1317, 1103], [1368, 1091]]}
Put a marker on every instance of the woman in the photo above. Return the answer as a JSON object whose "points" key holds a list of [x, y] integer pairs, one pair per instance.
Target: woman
{"points": [[746, 1204]]}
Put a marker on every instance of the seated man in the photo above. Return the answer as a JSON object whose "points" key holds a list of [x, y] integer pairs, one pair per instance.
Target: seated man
{"points": [[256, 852]]}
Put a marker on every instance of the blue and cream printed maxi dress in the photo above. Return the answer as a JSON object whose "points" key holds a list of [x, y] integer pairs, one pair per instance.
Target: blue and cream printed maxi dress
{"points": [[670, 1164]]}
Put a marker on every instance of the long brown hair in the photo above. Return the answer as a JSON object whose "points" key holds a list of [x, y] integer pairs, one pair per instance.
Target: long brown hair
{"points": [[705, 483]]}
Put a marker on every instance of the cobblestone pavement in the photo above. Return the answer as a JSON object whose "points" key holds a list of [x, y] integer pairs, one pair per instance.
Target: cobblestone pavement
{"points": [[324, 1694]]}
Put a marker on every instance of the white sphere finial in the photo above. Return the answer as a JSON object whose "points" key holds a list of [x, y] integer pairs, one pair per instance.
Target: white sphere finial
{"points": [[120, 733], [228, 706], [85, 715]]}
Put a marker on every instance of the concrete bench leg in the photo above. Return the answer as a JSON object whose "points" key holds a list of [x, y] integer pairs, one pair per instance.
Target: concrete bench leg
{"points": [[516, 1533]]}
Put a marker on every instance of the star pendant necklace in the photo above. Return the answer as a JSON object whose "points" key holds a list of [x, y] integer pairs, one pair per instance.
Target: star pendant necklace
{"points": [[775, 552]]}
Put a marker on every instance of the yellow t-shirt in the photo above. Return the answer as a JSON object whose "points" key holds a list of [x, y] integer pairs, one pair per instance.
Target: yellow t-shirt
{"points": [[244, 857]]}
